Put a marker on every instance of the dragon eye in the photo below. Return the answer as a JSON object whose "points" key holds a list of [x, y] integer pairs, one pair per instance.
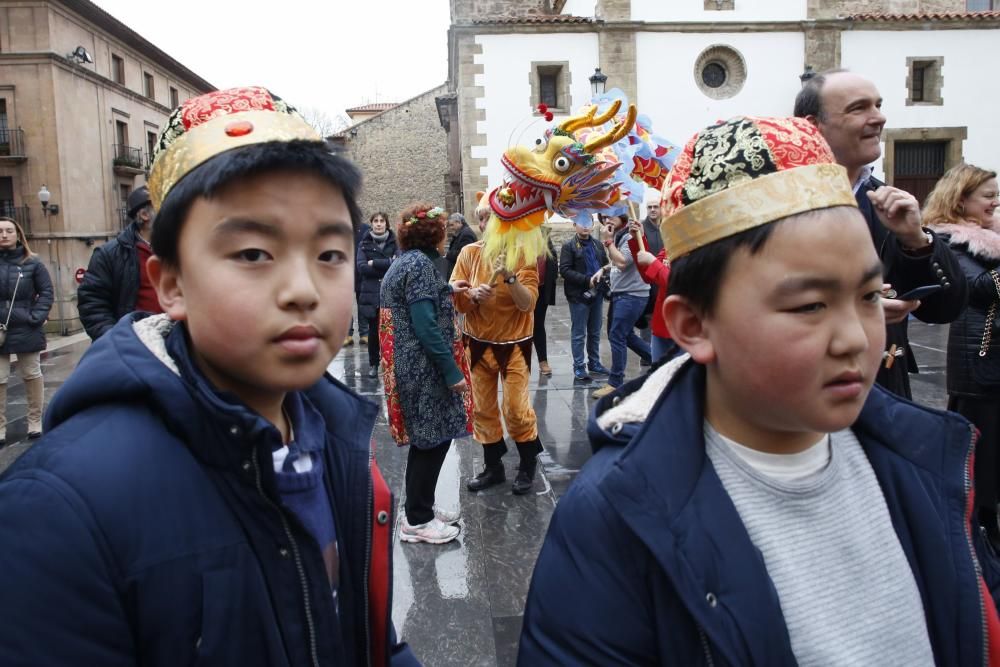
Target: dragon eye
{"points": [[541, 144], [561, 164]]}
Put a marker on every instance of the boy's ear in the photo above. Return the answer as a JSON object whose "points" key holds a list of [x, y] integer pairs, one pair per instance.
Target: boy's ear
{"points": [[166, 280], [687, 328]]}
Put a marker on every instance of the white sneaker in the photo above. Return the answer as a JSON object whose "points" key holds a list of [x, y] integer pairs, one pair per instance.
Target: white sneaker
{"points": [[446, 517], [432, 532]]}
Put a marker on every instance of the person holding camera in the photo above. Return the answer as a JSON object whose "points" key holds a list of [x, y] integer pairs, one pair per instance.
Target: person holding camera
{"points": [[629, 294], [585, 283]]}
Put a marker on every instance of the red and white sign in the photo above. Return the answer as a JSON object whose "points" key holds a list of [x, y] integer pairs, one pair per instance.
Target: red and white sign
{"points": [[80, 273]]}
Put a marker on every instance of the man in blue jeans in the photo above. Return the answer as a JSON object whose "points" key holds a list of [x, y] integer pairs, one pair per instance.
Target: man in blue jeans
{"points": [[629, 294], [580, 264]]}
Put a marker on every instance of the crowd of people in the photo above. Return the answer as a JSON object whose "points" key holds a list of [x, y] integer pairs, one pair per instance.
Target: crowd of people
{"points": [[764, 494]]}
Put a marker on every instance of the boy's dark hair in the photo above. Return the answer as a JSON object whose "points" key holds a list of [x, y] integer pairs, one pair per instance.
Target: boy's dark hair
{"points": [[208, 178], [378, 214]]}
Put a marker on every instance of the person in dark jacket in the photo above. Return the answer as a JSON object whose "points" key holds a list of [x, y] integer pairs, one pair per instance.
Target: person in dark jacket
{"points": [[116, 282], [846, 108], [204, 492], [581, 262], [26, 295], [758, 501], [962, 210], [376, 251], [461, 235], [548, 275], [362, 323]]}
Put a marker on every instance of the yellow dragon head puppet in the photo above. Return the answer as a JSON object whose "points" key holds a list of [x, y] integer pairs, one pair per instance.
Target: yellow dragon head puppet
{"points": [[567, 172]]}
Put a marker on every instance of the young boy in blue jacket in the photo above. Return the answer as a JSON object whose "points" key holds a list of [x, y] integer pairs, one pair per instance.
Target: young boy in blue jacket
{"points": [[204, 493], [757, 501]]}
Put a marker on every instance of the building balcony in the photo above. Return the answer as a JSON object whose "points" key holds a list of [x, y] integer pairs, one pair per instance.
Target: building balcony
{"points": [[127, 160], [12, 146], [20, 214]]}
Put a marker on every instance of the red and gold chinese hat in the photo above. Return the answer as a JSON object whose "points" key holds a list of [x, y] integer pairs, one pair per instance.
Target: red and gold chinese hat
{"points": [[213, 123], [746, 172]]}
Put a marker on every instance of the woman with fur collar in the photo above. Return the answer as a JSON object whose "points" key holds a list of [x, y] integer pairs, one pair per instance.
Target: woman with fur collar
{"points": [[963, 208]]}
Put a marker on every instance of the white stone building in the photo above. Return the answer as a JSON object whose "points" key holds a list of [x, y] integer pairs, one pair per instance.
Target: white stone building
{"points": [[687, 63]]}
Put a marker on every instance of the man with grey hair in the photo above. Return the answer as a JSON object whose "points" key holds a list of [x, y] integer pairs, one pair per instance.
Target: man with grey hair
{"points": [[847, 110], [461, 235]]}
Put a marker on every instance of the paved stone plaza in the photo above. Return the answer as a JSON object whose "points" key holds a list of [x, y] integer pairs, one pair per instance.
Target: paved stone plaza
{"points": [[460, 604]]}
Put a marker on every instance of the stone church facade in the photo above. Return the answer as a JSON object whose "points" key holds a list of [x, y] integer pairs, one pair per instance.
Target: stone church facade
{"points": [[687, 63]]}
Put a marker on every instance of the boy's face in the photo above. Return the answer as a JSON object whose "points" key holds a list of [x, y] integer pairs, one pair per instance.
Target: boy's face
{"points": [[797, 334], [265, 283]]}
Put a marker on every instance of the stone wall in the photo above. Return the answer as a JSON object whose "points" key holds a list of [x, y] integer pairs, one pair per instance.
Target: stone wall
{"points": [[464, 12], [403, 155], [614, 10], [820, 9]]}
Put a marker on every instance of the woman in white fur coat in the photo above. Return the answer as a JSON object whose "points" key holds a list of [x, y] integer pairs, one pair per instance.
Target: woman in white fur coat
{"points": [[963, 208]]}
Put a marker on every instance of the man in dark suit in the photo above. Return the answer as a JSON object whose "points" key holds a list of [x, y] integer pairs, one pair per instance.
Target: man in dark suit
{"points": [[846, 108]]}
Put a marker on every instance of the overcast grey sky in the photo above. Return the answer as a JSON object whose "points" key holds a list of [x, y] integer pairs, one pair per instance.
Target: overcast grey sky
{"points": [[328, 55]]}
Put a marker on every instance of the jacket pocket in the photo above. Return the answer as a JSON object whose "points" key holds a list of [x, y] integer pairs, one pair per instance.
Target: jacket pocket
{"points": [[220, 612]]}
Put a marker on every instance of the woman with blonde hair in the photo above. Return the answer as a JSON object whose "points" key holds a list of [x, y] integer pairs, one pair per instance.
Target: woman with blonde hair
{"points": [[962, 209], [25, 300]]}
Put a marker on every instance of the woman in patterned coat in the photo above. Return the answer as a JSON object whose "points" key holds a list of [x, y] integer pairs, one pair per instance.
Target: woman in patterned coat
{"points": [[424, 368]]}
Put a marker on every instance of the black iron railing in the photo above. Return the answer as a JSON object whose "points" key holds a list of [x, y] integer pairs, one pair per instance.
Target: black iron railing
{"points": [[126, 156], [12, 143], [123, 219]]}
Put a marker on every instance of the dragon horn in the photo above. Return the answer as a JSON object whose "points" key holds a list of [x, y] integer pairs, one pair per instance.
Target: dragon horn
{"points": [[620, 129], [588, 120]]}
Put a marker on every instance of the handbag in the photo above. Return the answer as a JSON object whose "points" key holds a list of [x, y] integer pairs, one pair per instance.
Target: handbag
{"points": [[3, 327], [986, 369]]}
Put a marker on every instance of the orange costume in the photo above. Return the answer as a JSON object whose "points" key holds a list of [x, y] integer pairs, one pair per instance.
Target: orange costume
{"points": [[498, 336]]}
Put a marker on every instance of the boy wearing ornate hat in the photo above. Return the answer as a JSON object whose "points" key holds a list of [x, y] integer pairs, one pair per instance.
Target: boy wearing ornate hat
{"points": [[204, 492], [757, 501]]}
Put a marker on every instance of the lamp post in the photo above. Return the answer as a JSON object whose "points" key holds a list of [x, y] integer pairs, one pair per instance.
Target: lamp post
{"points": [[598, 81], [51, 209]]}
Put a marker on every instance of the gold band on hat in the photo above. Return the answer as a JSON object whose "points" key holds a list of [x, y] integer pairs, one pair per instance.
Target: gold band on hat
{"points": [[755, 202], [211, 138]]}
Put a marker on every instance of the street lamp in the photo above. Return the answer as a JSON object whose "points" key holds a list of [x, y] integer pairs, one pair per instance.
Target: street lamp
{"points": [[597, 82], [47, 209]]}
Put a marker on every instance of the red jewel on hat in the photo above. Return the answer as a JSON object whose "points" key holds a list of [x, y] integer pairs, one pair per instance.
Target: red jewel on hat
{"points": [[239, 128]]}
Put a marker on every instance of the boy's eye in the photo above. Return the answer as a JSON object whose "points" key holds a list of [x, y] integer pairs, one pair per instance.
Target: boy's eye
{"points": [[333, 256], [808, 308], [874, 297], [253, 255]]}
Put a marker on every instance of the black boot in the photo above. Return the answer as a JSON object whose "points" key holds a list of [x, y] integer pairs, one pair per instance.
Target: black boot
{"points": [[493, 473], [528, 451]]}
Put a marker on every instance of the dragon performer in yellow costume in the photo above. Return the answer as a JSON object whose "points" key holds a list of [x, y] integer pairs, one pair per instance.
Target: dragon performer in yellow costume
{"points": [[567, 173]]}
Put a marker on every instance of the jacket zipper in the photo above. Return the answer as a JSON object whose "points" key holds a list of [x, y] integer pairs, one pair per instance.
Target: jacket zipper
{"points": [[368, 552], [972, 552], [310, 624], [704, 647]]}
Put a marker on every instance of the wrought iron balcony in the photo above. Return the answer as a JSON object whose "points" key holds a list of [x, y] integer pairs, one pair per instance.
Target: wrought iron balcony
{"points": [[127, 159], [12, 145]]}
